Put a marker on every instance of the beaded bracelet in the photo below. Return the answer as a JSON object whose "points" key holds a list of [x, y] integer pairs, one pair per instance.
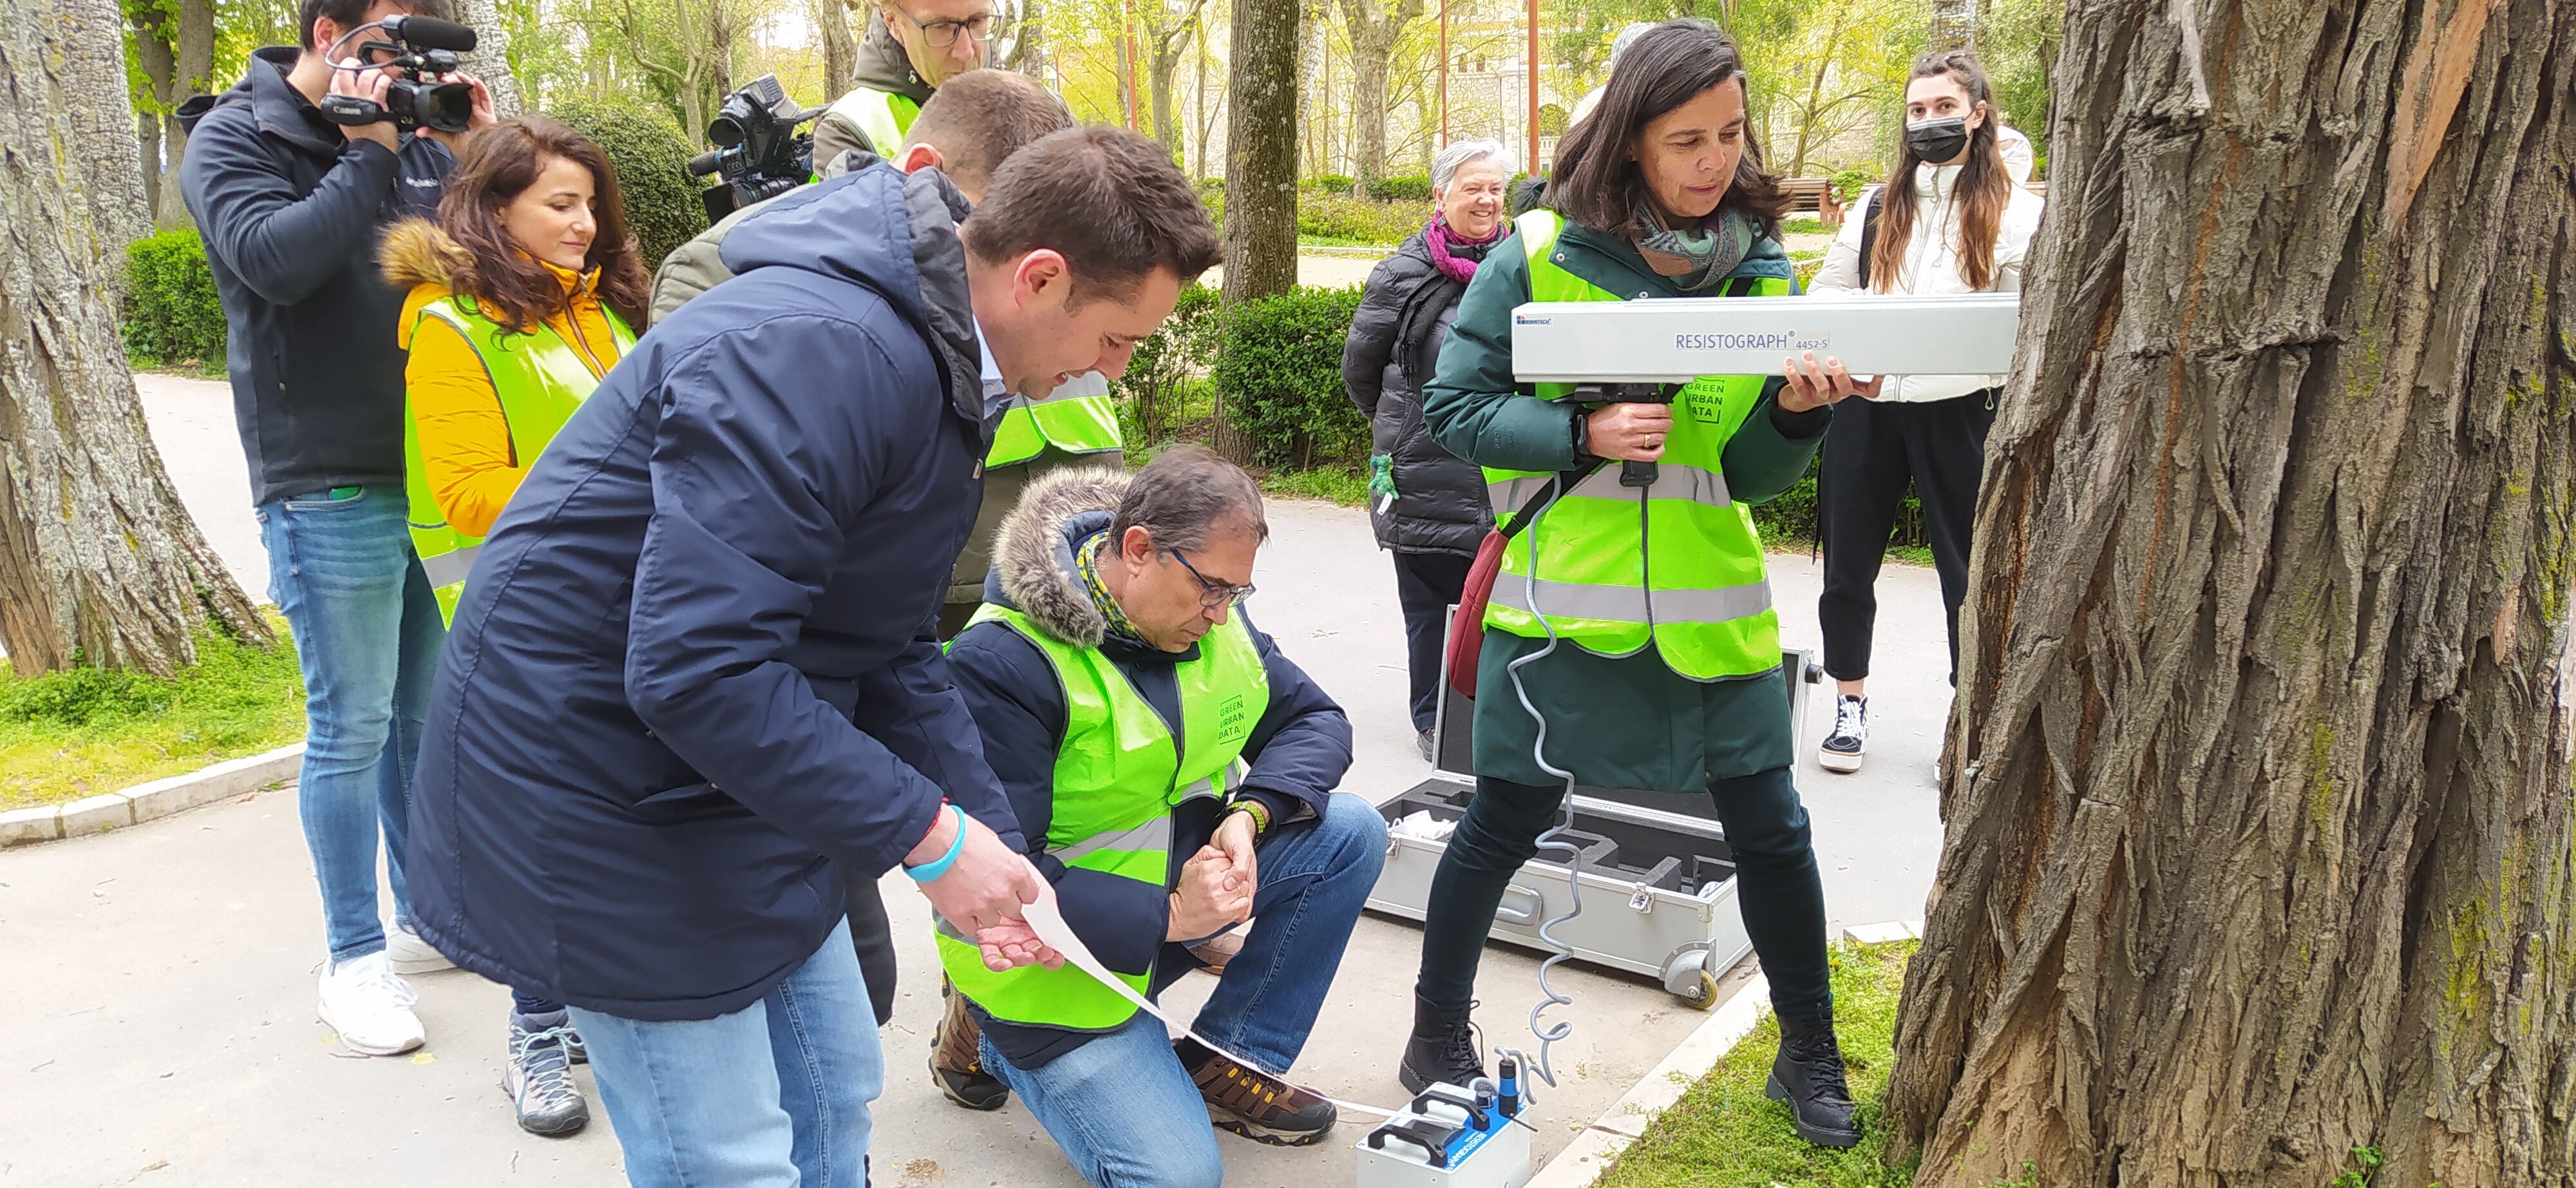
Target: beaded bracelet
{"points": [[1259, 813]]}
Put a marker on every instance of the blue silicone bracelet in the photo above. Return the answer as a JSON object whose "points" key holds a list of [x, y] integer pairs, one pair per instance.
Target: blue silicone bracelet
{"points": [[932, 870]]}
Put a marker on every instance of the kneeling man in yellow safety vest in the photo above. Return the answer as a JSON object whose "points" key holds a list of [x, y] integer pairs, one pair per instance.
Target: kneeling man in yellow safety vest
{"points": [[1173, 774]]}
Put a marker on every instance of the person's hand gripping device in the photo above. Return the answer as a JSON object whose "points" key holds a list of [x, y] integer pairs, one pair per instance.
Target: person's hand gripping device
{"points": [[1632, 473]]}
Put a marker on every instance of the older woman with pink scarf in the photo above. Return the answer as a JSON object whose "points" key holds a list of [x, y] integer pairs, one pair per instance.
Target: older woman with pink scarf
{"points": [[1428, 507]]}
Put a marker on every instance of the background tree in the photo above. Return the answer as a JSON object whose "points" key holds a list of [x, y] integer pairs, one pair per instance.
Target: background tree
{"points": [[1373, 27], [490, 58], [1260, 164], [2259, 819], [174, 46], [840, 49], [99, 562], [1954, 24]]}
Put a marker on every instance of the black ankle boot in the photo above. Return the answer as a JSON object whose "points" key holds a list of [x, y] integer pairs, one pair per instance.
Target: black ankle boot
{"points": [[1443, 1047], [1808, 1075]]}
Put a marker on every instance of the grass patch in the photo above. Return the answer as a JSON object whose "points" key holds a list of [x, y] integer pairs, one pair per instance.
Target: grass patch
{"points": [[1803, 225], [1342, 241], [1725, 1134], [1332, 484], [185, 368], [66, 735]]}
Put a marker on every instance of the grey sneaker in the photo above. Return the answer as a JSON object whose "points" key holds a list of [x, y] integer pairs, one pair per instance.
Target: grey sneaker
{"points": [[1842, 749], [539, 1076]]}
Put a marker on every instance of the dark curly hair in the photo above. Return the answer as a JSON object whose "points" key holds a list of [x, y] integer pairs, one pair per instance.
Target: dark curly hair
{"points": [[507, 284]]}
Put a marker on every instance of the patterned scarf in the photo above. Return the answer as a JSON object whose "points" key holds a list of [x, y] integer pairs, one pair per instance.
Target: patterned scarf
{"points": [[1454, 255], [1086, 561], [1693, 260]]}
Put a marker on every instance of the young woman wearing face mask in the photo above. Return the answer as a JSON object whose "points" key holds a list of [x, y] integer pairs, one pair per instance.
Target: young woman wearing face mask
{"points": [[1664, 670], [1950, 220], [521, 298]]}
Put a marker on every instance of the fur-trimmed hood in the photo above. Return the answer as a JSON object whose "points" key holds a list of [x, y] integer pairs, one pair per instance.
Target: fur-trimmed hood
{"points": [[417, 253], [1033, 569]]}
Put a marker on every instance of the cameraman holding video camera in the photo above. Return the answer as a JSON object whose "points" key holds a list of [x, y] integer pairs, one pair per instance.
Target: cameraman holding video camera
{"points": [[291, 193]]}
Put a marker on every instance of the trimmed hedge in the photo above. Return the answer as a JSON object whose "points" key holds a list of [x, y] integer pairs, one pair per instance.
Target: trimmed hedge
{"points": [[1165, 369], [1340, 216], [1413, 188], [651, 157], [171, 313], [1279, 372]]}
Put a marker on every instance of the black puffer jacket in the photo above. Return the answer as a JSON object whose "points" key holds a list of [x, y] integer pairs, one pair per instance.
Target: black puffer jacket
{"points": [[1439, 504]]}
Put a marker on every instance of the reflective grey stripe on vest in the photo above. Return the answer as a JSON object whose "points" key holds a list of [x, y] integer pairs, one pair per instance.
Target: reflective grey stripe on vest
{"points": [[1152, 835], [1629, 604], [1673, 480], [449, 568]]}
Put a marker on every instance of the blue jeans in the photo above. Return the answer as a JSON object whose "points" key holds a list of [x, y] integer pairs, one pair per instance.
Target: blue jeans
{"points": [[1121, 1106], [774, 1095], [367, 632]]}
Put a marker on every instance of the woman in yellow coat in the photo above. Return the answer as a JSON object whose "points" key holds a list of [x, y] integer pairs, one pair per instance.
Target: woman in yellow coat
{"points": [[522, 296]]}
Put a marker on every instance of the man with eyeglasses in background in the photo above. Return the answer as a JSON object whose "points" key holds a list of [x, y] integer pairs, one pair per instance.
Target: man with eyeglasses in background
{"points": [[911, 48], [1173, 775]]}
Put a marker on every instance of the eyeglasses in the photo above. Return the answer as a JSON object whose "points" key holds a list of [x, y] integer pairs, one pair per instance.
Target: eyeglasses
{"points": [[1212, 594], [942, 34]]}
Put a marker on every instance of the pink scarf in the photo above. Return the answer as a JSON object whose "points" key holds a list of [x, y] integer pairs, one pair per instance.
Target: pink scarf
{"points": [[1443, 243]]}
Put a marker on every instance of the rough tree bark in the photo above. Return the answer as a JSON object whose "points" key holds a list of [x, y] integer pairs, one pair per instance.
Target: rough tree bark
{"points": [[490, 60], [99, 562], [1260, 167], [1373, 28], [1028, 40], [110, 173], [2259, 835], [840, 48], [1954, 25]]}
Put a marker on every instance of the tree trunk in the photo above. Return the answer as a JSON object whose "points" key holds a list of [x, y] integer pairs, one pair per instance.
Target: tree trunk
{"points": [[99, 562], [1199, 101], [490, 59], [1162, 64], [150, 29], [1028, 40], [1373, 31], [2259, 833], [1260, 168], [1954, 25], [840, 49], [194, 76], [109, 174]]}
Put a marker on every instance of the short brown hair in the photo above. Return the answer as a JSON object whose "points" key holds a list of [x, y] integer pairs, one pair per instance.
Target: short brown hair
{"points": [[507, 284], [978, 119], [1110, 200], [1597, 183], [1184, 495]]}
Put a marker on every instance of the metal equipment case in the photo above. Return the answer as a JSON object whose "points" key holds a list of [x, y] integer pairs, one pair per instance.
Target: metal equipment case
{"points": [[1658, 880]]}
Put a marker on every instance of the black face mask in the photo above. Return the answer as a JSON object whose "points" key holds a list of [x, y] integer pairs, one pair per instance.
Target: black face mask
{"points": [[1938, 142]]}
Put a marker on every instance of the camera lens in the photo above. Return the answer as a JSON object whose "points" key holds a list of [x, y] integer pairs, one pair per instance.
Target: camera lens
{"points": [[448, 107]]}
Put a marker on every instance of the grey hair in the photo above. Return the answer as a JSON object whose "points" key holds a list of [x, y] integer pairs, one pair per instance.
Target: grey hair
{"points": [[1184, 495], [1627, 37], [1445, 167]]}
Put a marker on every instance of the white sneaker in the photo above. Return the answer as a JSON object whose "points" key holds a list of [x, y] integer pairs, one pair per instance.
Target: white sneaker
{"points": [[370, 1006], [411, 955]]}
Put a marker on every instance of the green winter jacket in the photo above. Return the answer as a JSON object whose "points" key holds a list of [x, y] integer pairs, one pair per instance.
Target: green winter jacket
{"points": [[1626, 722]]}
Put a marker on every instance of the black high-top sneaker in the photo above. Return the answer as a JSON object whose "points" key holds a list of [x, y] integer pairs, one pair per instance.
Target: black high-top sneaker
{"points": [[1443, 1049], [1808, 1075]]}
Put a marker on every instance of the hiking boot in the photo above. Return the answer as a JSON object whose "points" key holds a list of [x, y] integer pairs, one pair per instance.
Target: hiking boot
{"points": [[1252, 1103], [1843, 748], [957, 1058], [1444, 1048], [539, 1076], [1808, 1075]]}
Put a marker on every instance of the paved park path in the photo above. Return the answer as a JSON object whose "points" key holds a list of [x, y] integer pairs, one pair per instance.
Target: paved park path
{"points": [[159, 981]]}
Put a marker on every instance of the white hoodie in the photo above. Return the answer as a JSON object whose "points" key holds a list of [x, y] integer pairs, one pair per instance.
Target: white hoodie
{"points": [[1932, 266]]}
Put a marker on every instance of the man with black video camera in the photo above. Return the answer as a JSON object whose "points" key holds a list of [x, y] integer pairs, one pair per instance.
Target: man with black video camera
{"points": [[290, 203]]}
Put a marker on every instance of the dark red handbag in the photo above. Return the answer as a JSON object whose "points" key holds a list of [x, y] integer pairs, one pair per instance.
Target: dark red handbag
{"points": [[1467, 623]]}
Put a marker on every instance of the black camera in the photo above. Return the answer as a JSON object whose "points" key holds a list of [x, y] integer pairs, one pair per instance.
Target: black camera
{"points": [[759, 154], [421, 46]]}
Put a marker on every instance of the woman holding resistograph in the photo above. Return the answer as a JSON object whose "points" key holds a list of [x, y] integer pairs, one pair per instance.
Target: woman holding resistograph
{"points": [[1950, 220], [1639, 618]]}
